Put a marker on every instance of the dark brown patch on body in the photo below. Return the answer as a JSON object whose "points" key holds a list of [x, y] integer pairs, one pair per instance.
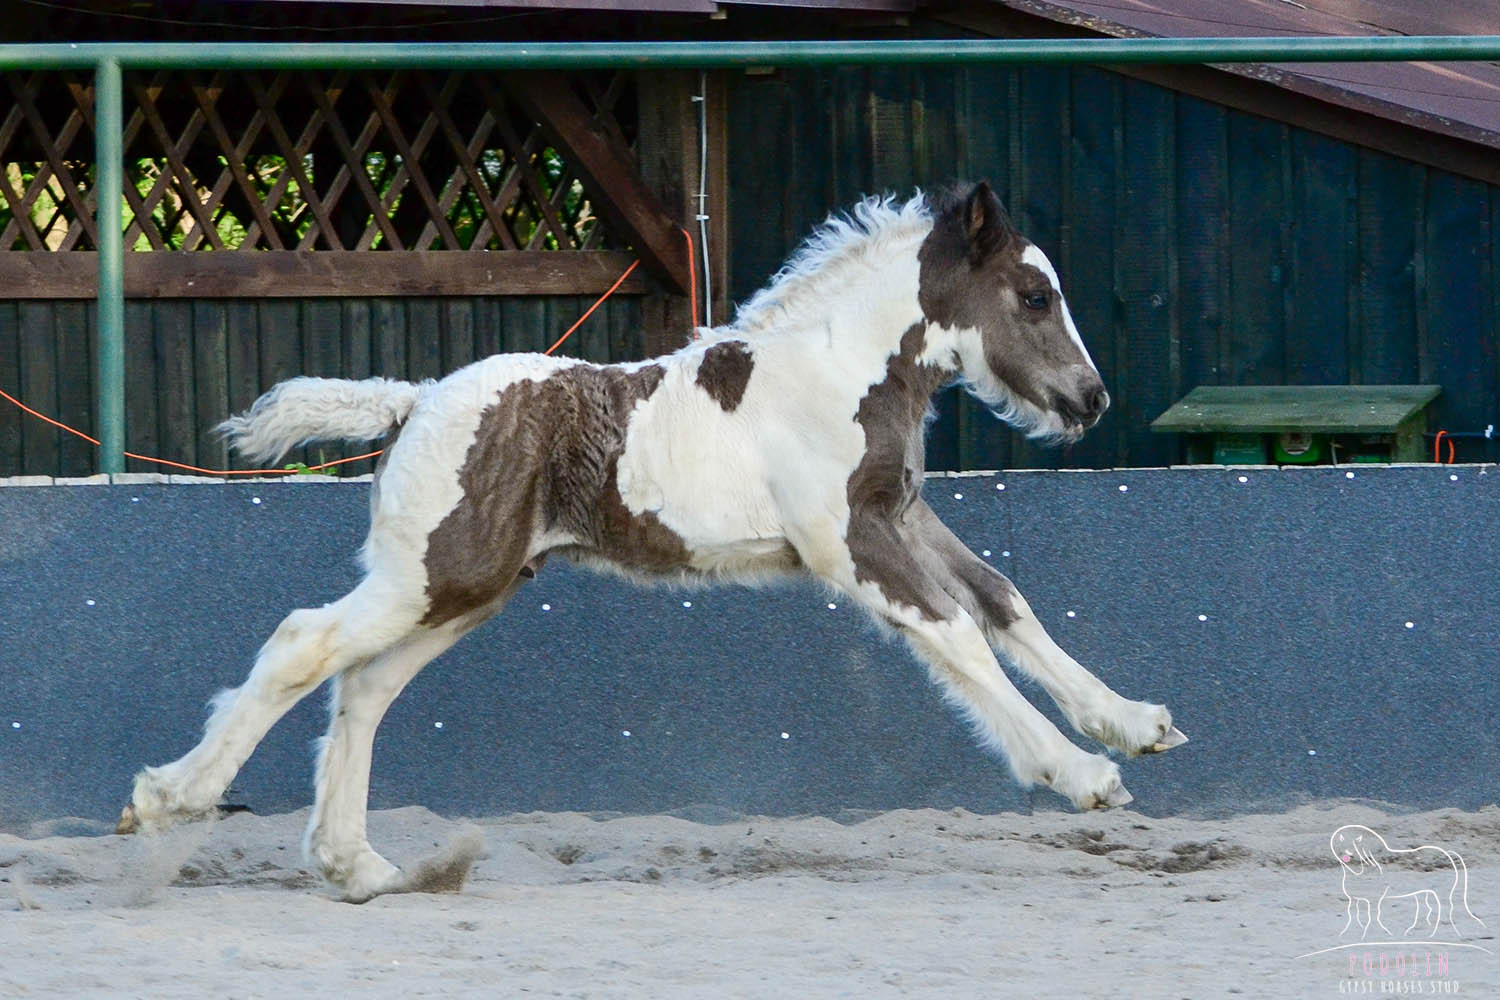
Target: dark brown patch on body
{"points": [[725, 371], [545, 457], [888, 479]]}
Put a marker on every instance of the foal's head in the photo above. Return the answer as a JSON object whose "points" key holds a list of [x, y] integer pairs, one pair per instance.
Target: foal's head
{"points": [[995, 294]]}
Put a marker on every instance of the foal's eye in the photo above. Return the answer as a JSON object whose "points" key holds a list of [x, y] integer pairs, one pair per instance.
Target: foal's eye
{"points": [[1035, 300]]}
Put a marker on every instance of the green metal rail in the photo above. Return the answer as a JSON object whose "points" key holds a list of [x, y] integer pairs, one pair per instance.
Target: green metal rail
{"points": [[711, 55], [108, 59]]}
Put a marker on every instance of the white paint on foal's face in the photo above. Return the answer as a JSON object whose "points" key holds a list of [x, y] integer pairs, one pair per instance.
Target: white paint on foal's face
{"points": [[1034, 256]]}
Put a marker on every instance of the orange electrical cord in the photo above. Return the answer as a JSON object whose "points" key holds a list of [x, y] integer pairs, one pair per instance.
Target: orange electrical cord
{"points": [[569, 331], [692, 282], [341, 461], [1437, 444]]}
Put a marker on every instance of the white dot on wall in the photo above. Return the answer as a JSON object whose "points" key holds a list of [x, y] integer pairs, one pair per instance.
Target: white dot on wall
{"points": [[1244, 479], [135, 499], [1006, 553], [832, 606], [15, 725], [960, 496], [986, 553], [1124, 488], [625, 732], [1000, 487], [437, 725], [1453, 478], [1348, 475], [1203, 618], [1072, 614], [546, 607], [1312, 753], [255, 500], [687, 604], [786, 736], [1411, 624], [89, 602]]}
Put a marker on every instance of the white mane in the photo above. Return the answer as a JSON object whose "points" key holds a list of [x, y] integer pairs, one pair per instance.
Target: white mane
{"points": [[820, 265]]}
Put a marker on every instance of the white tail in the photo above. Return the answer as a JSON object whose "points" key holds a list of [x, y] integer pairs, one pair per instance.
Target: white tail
{"points": [[305, 409]]}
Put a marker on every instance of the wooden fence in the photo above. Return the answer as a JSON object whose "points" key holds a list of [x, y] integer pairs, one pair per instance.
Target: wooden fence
{"points": [[339, 223]]}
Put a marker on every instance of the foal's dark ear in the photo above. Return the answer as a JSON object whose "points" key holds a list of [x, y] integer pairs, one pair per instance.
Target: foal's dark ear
{"points": [[986, 226]]}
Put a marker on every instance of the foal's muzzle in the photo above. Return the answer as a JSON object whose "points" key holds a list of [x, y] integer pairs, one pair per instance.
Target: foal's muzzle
{"points": [[1082, 407]]}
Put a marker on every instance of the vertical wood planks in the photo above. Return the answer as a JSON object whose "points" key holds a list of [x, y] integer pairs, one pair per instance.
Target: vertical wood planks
{"points": [[242, 347], [1456, 316], [524, 325], [323, 336], [1087, 261], [388, 338], [458, 333], [1039, 140], [1145, 271], [1322, 267], [142, 430], [11, 419], [759, 207], [981, 143], [38, 385], [487, 331], [1390, 200], [281, 354], [1256, 340], [176, 412], [211, 380], [1202, 241], [75, 397], [892, 147], [424, 339]]}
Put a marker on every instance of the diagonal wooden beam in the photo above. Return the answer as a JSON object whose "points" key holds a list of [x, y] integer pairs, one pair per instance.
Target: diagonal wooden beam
{"points": [[608, 170]]}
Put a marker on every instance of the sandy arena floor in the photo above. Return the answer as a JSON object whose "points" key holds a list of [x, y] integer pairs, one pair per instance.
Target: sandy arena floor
{"points": [[920, 903]]}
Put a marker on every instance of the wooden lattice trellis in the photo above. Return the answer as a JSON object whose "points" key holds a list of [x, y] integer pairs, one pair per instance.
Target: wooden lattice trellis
{"points": [[412, 171]]}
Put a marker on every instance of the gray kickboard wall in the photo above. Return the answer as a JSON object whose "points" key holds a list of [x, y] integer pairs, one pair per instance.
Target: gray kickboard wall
{"points": [[1267, 608]]}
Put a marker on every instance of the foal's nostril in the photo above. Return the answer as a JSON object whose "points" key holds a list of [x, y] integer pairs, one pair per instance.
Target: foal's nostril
{"points": [[1097, 401]]}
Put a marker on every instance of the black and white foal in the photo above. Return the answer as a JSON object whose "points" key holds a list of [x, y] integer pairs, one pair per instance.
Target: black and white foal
{"points": [[790, 440]]}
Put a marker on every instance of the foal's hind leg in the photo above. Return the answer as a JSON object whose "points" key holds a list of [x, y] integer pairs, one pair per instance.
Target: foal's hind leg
{"points": [[310, 645], [336, 839]]}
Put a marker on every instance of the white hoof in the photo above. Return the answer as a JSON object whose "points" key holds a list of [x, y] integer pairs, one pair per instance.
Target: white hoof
{"points": [[156, 805], [1091, 782], [1134, 728], [371, 875], [1175, 738]]}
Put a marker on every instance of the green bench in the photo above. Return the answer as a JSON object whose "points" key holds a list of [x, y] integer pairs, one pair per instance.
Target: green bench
{"points": [[1301, 424]]}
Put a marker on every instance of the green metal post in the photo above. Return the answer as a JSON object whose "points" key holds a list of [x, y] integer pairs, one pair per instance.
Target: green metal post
{"points": [[109, 368]]}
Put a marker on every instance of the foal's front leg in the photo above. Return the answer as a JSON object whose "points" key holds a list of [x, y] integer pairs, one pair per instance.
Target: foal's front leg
{"points": [[873, 565], [1093, 708]]}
